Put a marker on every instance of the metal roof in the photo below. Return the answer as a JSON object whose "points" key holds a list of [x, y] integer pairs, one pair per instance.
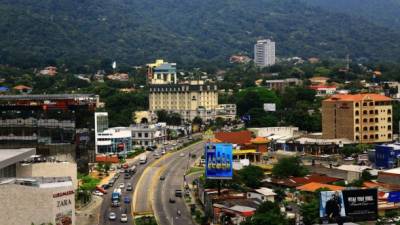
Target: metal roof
{"points": [[12, 156]]}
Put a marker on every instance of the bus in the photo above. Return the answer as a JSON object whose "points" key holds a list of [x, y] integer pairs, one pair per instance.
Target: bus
{"points": [[116, 195]]}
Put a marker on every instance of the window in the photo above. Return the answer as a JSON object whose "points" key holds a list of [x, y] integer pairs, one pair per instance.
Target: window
{"points": [[357, 105], [357, 121], [357, 113], [146, 135], [371, 104], [376, 136], [371, 120], [357, 129], [371, 128], [365, 120], [140, 135], [389, 119], [365, 128], [376, 111], [376, 120], [357, 137], [371, 111], [365, 137], [389, 111], [364, 104], [376, 128], [371, 136], [365, 112], [389, 127]]}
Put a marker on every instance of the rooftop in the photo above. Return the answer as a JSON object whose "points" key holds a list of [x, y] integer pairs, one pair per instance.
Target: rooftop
{"points": [[358, 97], [353, 168], [47, 97], [239, 137], [394, 170], [42, 182], [265, 191], [12, 156], [298, 181], [313, 186]]}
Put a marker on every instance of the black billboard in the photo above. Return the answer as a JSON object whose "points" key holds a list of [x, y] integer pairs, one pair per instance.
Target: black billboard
{"points": [[349, 205]]}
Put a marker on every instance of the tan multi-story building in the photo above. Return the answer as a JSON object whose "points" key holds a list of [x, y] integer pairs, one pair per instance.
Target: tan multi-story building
{"points": [[188, 99], [363, 118]]}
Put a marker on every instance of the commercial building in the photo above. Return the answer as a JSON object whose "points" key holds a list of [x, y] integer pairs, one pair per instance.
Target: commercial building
{"points": [[162, 72], [362, 118], [148, 135], [387, 155], [188, 99], [281, 85], [264, 53], [323, 90], [116, 140], [59, 125], [9, 158], [226, 111], [37, 200]]}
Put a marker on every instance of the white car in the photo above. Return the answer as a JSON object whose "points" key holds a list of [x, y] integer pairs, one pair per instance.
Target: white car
{"points": [[121, 185], [182, 154], [112, 216], [98, 193], [124, 218]]}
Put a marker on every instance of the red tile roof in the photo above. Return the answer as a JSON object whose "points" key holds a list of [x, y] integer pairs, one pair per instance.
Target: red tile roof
{"points": [[358, 97], [298, 181], [22, 87], [239, 137]]}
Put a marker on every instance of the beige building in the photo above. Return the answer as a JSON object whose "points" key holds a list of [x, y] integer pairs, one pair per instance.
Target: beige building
{"points": [[363, 118], [161, 72], [26, 201], [188, 99]]}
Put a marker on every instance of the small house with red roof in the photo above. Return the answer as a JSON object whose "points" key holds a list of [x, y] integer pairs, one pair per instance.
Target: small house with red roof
{"points": [[23, 89]]}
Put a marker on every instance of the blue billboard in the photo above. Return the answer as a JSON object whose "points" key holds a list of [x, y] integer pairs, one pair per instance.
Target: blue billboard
{"points": [[218, 160], [394, 196]]}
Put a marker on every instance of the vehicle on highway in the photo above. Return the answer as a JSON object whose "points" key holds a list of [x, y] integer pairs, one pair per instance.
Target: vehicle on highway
{"points": [[129, 187], [124, 218], [157, 156], [178, 193], [102, 190], [163, 152], [98, 193], [121, 185], [143, 159], [112, 216], [105, 186], [127, 176], [125, 166], [115, 203], [116, 195], [132, 170], [182, 154], [171, 200], [162, 177], [127, 200]]}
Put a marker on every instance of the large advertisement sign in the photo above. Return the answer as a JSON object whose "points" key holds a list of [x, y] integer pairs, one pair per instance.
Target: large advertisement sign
{"points": [[269, 107], [218, 161], [394, 196], [349, 205]]}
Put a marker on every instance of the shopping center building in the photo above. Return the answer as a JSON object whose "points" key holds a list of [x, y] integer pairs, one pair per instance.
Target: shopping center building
{"points": [[21, 198]]}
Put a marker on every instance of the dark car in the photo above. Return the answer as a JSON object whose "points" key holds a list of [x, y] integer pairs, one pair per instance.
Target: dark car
{"points": [[162, 177], [178, 193], [129, 187], [127, 200], [105, 186], [171, 200]]}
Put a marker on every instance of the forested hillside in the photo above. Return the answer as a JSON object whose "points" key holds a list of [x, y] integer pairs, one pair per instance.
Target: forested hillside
{"points": [[382, 12], [186, 31]]}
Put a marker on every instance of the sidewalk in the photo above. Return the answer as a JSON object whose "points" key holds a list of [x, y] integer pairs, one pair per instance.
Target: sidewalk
{"points": [[89, 215]]}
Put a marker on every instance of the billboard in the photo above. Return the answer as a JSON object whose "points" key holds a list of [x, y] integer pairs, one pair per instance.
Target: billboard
{"points": [[218, 160], [349, 205], [269, 107], [394, 196]]}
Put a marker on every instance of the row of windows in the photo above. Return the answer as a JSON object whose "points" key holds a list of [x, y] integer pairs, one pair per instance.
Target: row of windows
{"points": [[372, 120], [372, 128], [372, 136], [372, 112], [372, 104]]}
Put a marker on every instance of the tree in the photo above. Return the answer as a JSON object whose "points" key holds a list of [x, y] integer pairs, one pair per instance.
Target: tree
{"points": [[309, 210], [251, 176], [197, 120], [254, 97], [267, 213], [290, 166]]}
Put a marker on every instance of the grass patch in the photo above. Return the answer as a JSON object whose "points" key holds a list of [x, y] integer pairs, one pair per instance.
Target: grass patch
{"points": [[146, 220], [194, 169]]}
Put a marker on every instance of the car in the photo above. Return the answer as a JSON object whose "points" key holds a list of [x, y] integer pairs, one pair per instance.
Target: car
{"points": [[157, 156], [105, 186], [163, 152], [127, 200], [127, 176], [124, 218], [121, 185], [348, 159], [182, 154], [171, 200], [178, 193], [112, 216], [115, 204], [129, 187], [162, 177], [98, 193]]}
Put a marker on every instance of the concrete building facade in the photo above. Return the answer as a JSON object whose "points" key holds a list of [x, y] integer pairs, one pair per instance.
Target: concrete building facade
{"points": [[37, 200], [362, 118], [264, 53], [149, 134], [162, 72]]}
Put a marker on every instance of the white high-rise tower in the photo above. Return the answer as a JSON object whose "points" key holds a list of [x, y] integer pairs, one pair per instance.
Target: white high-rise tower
{"points": [[264, 53]]}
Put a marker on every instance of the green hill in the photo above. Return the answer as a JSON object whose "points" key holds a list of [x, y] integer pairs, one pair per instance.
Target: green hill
{"points": [[186, 31]]}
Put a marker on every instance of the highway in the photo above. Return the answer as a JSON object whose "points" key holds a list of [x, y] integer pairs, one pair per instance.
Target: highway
{"points": [[124, 208], [173, 169]]}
